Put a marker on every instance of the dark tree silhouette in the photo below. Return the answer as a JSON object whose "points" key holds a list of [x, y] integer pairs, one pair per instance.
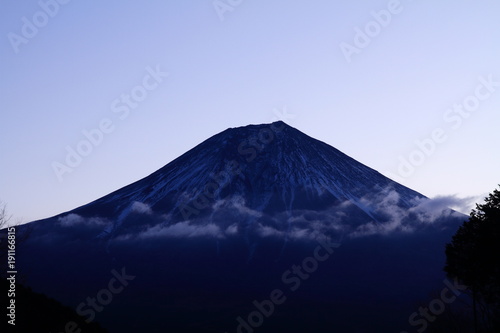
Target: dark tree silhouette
{"points": [[21, 235], [473, 257], [36, 312], [4, 221]]}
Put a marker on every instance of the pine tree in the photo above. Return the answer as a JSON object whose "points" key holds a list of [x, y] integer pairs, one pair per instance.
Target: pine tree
{"points": [[473, 256]]}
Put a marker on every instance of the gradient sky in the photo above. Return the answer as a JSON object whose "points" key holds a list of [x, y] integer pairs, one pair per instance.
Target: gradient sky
{"points": [[236, 62]]}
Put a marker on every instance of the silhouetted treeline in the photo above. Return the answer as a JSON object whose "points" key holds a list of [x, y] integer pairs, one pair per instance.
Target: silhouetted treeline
{"points": [[38, 313]]}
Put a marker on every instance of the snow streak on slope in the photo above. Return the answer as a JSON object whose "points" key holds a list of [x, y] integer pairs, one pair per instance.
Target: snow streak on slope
{"points": [[260, 176]]}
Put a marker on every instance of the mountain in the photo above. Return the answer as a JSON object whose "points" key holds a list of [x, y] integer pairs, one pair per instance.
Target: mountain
{"points": [[259, 228]]}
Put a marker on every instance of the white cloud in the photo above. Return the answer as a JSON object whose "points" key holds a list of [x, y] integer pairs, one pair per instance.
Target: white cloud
{"points": [[70, 220], [268, 231], [232, 230], [463, 205], [238, 203], [183, 229], [385, 207], [141, 208], [378, 228], [306, 225], [75, 219], [400, 219], [297, 233]]}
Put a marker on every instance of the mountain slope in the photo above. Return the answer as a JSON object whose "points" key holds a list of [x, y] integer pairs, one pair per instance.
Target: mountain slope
{"points": [[271, 169], [228, 222]]}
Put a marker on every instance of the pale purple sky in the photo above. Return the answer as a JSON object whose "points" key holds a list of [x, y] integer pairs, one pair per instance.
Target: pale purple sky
{"points": [[367, 77]]}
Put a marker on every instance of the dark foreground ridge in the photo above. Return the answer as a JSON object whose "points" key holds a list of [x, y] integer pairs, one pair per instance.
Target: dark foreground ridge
{"points": [[39, 313]]}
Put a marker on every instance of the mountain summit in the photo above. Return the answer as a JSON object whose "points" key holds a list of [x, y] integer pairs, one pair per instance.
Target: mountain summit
{"points": [[267, 173], [253, 215]]}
